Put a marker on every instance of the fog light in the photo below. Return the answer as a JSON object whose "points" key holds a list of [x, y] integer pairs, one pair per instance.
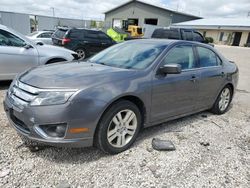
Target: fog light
{"points": [[55, 130]]}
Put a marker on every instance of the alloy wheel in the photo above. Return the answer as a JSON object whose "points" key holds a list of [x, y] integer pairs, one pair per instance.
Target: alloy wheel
{"points": [[81, 54], [122, 128], [224, 99]]}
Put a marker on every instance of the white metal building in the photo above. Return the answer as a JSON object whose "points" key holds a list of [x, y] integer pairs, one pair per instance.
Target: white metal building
{"points": [[229, 31]]}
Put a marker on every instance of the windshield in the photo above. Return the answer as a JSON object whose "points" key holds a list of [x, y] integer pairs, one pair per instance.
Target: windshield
{"points": [[129, 55]]}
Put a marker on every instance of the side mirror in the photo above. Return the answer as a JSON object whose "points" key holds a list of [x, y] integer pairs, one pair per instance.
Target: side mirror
{"points": [[28, 46], [40, 43], [170, 69]]}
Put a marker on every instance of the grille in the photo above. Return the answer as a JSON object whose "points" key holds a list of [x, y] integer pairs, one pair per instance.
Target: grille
{"points": [[22, 94]]}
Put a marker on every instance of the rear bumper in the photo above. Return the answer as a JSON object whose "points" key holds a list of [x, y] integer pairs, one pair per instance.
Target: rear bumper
{"points": [[23, 122]]}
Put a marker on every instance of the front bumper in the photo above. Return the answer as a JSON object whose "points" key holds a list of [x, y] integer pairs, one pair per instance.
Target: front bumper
{"points": [[26, 120]]}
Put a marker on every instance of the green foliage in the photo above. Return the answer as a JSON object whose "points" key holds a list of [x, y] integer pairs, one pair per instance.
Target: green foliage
{"points": [[93, 24], [209, 39]]}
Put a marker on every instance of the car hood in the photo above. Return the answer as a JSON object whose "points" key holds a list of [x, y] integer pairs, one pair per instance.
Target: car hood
{"points": [[73, 75], [52, 49]]}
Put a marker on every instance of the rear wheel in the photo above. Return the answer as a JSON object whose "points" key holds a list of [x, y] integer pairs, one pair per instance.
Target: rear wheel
{"points": [[223, 101], [81, 53], [118, 127]]}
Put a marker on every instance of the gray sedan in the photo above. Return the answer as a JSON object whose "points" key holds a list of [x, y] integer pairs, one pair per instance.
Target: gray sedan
{"points": [[108, 99], [18, 53]]}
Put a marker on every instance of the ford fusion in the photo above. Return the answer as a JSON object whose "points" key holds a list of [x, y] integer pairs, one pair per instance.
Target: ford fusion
{"points": [[106, 100]]}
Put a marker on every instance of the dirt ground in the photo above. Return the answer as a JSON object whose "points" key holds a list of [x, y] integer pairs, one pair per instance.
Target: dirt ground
{"points": [[211, 151]]}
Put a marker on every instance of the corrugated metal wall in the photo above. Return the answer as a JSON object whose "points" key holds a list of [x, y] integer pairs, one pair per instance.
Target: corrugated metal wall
{"points": [[50, 23], [21, 22], [16, 21]]}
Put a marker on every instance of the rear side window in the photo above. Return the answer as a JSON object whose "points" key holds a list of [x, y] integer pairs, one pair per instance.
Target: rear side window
{"points": [[198, 37], [91, 34], [207, 57], [76, 34], [183, 55], [60, 33], [45, 35], [165, 34]]}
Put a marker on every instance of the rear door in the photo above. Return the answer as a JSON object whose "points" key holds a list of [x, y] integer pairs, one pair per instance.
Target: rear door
{"points": [[175, 94], [212, 76], [14, 57]]}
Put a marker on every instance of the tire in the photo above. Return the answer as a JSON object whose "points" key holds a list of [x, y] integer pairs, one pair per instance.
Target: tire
{"points": [[223, 101], [114, 135], [82, 54]]}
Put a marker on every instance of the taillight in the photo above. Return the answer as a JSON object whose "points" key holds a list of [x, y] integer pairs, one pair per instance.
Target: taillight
{"points": [[65, 41]]}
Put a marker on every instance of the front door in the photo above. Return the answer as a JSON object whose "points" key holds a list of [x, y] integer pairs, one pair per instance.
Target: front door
{"points": [[91, 42], [237, 37], [175, 94], [15, 58]]}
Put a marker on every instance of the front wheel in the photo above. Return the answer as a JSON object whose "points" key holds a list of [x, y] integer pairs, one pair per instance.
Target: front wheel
{"points": [[118, 127], [223, 101]]}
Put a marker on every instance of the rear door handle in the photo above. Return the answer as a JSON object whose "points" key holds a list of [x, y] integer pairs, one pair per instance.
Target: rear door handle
{"points": [[103, 43]]}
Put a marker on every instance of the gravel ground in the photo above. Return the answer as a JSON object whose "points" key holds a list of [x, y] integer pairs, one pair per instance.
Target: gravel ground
{"points": [[211, 151]]}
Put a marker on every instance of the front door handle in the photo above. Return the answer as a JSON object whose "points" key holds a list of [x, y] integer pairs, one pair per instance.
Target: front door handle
{"points": [[193, 79]]}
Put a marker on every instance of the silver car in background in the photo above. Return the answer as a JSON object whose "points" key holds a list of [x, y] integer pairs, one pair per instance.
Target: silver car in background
{"points": [[41, 36], [18, 53]]}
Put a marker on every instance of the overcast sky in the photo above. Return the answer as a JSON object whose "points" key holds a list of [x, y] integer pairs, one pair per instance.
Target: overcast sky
{"points": [[93, 9]]}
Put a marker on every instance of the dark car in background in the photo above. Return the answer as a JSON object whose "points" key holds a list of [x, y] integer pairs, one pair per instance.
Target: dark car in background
{"points": [[85, 42], [106, 100], [178, 34]]}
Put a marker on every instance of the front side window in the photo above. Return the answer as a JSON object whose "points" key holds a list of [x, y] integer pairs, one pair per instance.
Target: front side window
{"points": [[129, 55], [207, 57], [76, 34], [8, 39], [187, 35], [91, 34], [198, 37], [182, 55]]}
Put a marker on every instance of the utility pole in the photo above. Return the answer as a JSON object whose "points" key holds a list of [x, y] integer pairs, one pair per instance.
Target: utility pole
{"points": [[53, 11], [248, 14]]}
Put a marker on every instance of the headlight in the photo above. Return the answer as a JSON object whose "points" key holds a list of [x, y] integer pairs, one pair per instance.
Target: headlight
{"points": [[52, 98]]}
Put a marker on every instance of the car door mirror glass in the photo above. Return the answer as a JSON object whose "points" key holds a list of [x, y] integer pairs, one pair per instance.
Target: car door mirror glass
{"points": [[170, 69], [27, 46]]}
